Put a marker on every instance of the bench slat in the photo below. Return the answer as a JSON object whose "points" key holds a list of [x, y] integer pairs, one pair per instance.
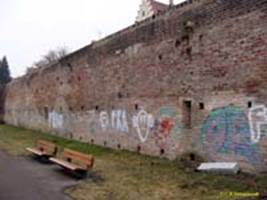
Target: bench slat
{"points": [[45, 143], [76, 154], [46, 146], [74, 160], [65, 164], [84, 159], [43, 148], [36, 151]]}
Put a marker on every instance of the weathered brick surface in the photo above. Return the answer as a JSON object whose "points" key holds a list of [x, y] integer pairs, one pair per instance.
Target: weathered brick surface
{"points": [[130, 89]]}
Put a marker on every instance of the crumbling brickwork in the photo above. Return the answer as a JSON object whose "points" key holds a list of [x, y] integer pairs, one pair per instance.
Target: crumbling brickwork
{"points": [[193, 79]]}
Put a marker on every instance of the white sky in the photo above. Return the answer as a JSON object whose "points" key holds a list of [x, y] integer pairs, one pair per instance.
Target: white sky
{"points": [[30, 28]]}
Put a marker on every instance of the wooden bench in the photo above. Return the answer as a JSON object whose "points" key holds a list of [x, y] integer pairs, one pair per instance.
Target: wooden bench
{"points": [[43, 149], [74, 161]]}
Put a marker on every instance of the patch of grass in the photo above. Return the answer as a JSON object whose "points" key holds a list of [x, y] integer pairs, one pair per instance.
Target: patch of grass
{"points": [[14, 140], [119, 175]]}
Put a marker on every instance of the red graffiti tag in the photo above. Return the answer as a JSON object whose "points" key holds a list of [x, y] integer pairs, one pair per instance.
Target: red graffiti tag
{"points": [[163, 131]]}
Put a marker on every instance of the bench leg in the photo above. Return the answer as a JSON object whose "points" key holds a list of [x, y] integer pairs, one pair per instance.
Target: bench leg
{"points": [[45, 159], [81, 174], [42, 159]]}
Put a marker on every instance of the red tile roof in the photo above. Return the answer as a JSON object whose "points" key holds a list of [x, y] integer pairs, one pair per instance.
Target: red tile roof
{"points": [[158, 6]]}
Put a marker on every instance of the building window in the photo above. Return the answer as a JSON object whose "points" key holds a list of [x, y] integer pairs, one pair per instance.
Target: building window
{"points": [[143, 13], [201, 106], [162, 151], [120, 95], [249, 104], [187, 108], [46, 112]]}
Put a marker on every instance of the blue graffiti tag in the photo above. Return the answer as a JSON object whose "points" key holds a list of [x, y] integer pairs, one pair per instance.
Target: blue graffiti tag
{"points": [[227, 131]]}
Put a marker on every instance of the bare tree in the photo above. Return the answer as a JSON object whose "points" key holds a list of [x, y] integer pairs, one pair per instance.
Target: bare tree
{"points": [[53, 56]]}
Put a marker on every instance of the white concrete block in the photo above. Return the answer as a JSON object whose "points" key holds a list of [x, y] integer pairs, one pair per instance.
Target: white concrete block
{"points": [[220, 167]]}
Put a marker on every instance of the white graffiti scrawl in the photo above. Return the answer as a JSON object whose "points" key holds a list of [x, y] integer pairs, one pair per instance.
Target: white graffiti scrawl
{"points": [[104, 120], [117, 120], [55, 119], [257, 119], [143, 122]]}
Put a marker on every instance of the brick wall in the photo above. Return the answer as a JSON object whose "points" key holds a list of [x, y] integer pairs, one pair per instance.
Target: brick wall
{"points": [[192, 79]]}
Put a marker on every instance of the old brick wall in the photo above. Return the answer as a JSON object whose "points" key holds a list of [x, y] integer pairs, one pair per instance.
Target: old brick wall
{"points": [[189, 80]]}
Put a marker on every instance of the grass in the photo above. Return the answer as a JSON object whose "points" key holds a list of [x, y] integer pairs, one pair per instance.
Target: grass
{"points": [[122, 175]]}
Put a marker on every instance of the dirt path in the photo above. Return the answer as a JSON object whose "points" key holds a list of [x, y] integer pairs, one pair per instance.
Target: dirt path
{"points": [[23, 178]]}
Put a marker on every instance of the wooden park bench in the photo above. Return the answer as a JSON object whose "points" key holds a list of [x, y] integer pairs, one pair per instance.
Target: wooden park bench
{"points": [[43, 149], [76, 162]]}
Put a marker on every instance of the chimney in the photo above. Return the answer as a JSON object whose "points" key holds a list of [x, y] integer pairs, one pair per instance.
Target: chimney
{"points": [[171, 2]]}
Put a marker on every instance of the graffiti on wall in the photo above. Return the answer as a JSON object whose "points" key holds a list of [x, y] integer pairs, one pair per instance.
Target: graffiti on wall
{"points": [[55, 120], [117, 120], [258, 121], [143, 123], [227, 131], [92, 121], [104, 120], [166, 126], [159, 127]]}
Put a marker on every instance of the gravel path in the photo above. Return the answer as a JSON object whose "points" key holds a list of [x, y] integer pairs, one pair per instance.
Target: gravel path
{"points": [[24, 178]]}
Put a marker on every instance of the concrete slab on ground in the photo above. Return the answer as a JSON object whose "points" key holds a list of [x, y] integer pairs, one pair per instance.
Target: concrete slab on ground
{"points": [[220, 167]]}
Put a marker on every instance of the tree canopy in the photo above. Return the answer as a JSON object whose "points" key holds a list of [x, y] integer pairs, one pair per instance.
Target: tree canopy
{"points": [[4, 71]]}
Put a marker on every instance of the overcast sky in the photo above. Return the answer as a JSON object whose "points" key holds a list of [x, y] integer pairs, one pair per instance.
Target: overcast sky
{"points": [[30, 28]]}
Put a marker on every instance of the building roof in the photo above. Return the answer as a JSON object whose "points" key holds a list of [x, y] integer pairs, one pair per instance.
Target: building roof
{"points": [[158, 6], [149, 8]]}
